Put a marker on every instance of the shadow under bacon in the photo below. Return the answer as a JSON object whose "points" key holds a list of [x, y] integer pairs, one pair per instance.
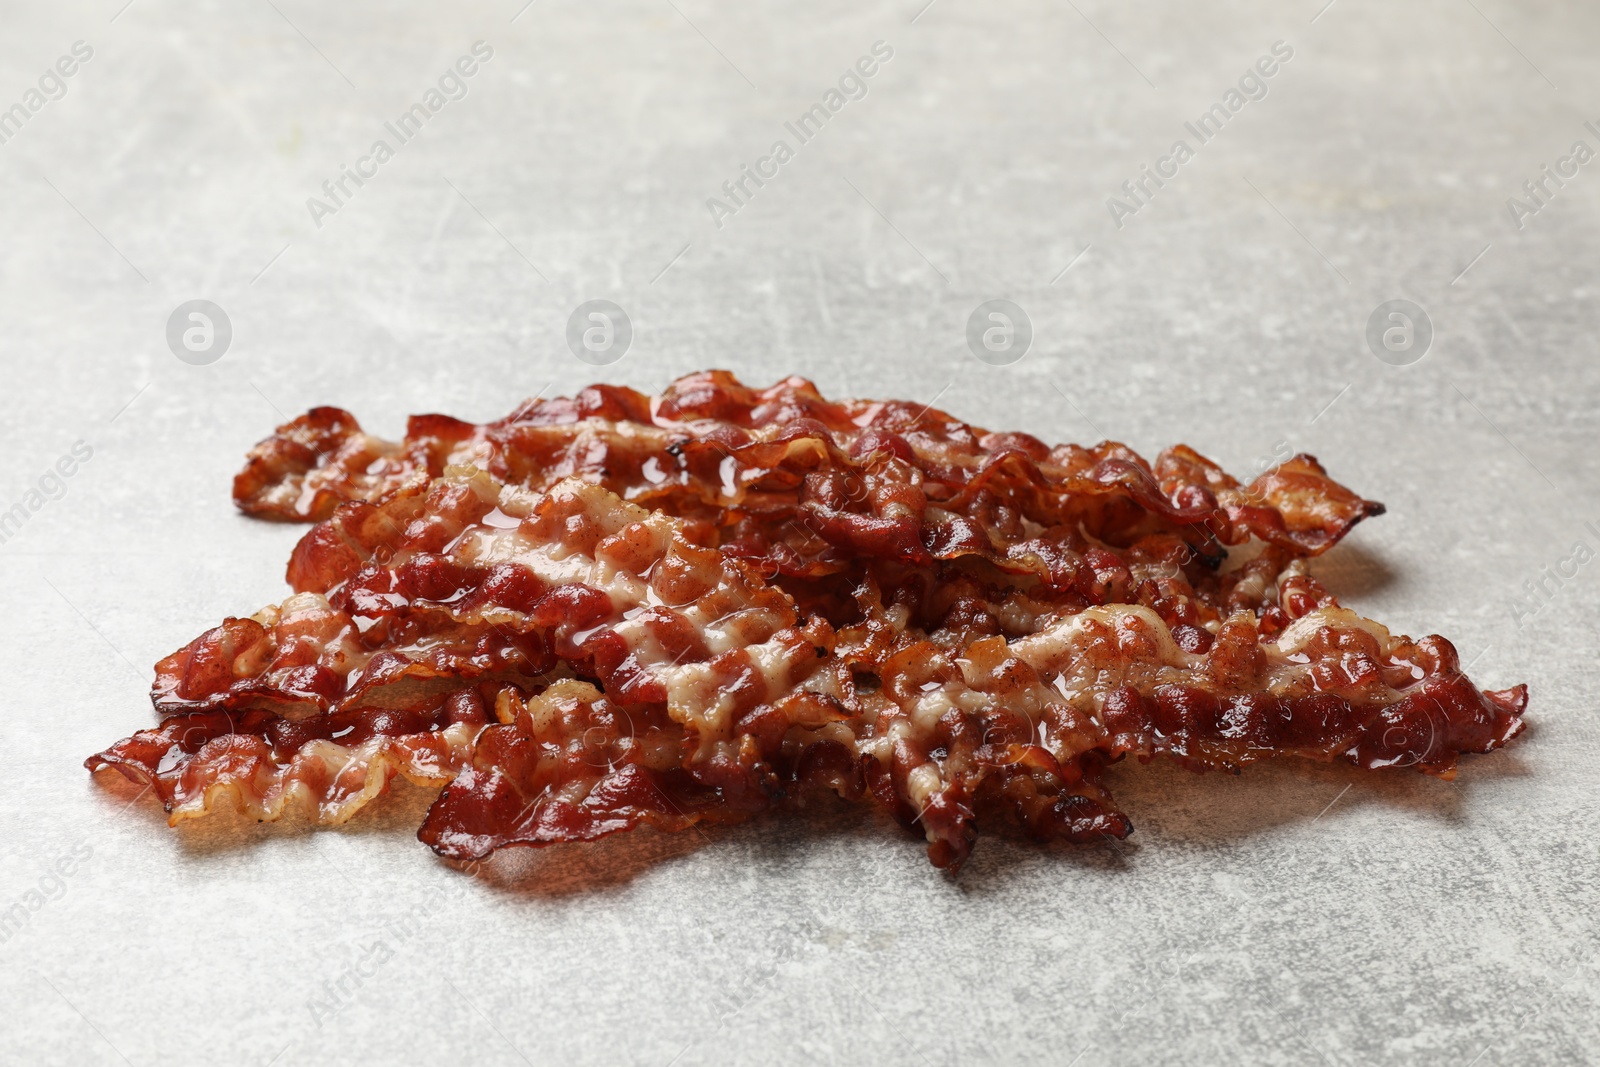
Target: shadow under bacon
{"points": [[620, 610]]}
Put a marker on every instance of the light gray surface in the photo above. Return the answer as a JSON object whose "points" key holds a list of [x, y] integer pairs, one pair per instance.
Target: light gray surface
{"points": [[1295, 915]]}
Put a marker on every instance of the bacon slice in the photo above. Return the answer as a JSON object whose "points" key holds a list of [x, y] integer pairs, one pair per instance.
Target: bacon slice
{"points": [[808, 485], [684, 608]]}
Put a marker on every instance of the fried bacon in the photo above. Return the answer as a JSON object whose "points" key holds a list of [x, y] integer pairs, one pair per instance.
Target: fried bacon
{"points": [[575, 576], [621, 610], [808, 485]]}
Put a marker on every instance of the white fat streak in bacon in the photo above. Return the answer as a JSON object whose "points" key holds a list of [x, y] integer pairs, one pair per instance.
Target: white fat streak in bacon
{"points": [[695, 693], [341, 474], [557, 564], [1301, 632], [343, 654], [354, 775], [1146, 655]]}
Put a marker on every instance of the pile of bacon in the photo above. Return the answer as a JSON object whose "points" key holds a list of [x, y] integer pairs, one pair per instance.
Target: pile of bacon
{"points": [[619, 609]]}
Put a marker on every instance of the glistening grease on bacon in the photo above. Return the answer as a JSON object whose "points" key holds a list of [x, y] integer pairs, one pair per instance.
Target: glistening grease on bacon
{"points": [[619, 610]]}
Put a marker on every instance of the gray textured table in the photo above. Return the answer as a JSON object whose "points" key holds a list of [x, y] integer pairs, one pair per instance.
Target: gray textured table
{"points": [[1294, 915]]}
